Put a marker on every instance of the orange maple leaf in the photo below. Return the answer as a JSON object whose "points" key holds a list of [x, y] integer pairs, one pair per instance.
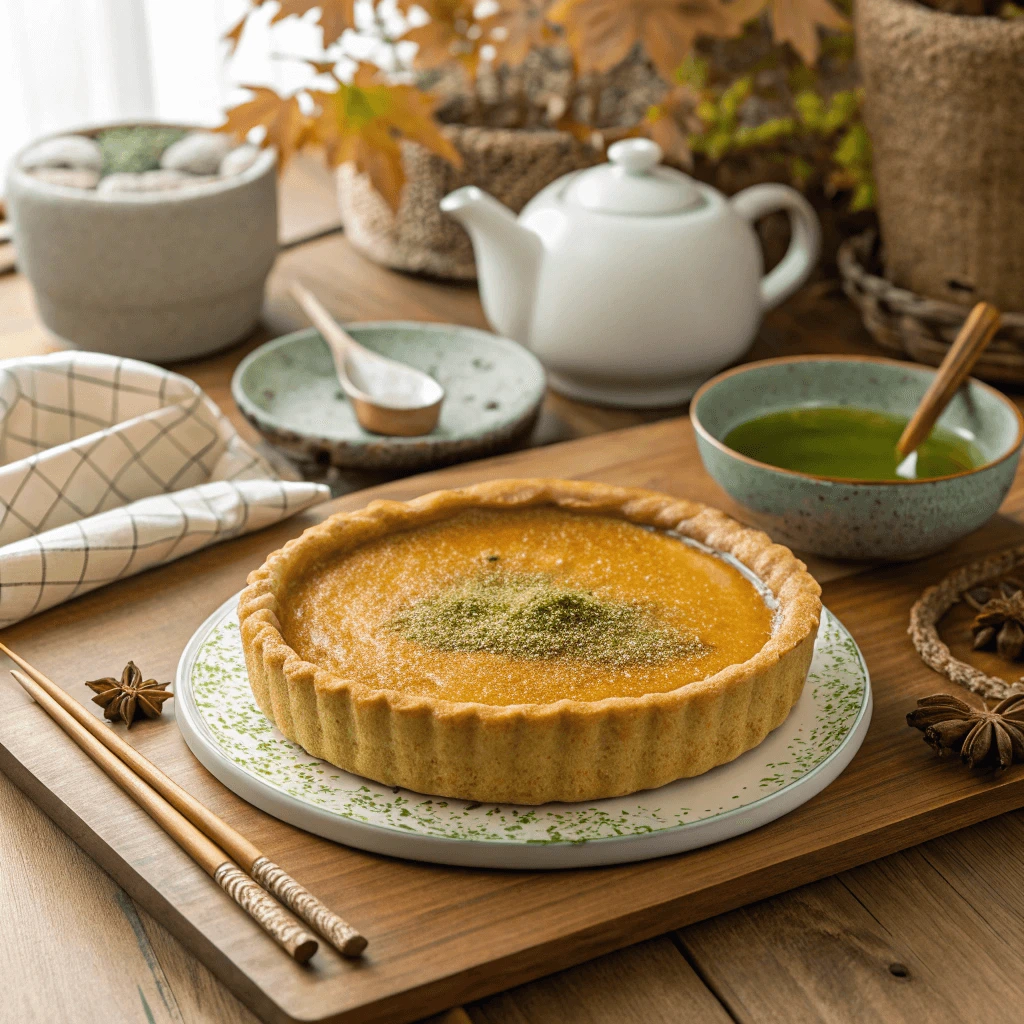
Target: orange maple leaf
{"points": [[515, 29], [452, 33], [287, 127], [601, 33], [668, 123], [335, 15], [671, 121], [234, 34], [585, 134], [364, 122], [796, 22]]}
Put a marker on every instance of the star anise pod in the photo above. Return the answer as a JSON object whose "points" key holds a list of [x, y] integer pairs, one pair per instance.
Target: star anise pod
{"points": [[130, 695], [1000, 618], [985, 739]]}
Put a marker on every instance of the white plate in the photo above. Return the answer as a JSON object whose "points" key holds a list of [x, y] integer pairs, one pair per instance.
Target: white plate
{"points": [[230, 735]]}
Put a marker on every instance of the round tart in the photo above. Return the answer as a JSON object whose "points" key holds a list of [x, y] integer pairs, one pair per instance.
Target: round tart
{"points": [[527, 641]]}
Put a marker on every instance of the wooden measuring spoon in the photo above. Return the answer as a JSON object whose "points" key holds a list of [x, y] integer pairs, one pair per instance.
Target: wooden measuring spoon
{"points": [[980, 326], [388, 397]]}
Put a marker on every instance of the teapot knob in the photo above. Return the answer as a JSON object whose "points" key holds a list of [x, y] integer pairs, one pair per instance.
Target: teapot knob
{"points": [[635, 156]]}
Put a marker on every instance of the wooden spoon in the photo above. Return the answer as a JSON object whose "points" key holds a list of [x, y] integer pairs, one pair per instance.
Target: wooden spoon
{"points": [[978, 330], [388, 397]]}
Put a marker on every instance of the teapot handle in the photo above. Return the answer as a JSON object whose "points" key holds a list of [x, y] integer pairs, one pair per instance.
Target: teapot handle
{"points": [[805, 242]]}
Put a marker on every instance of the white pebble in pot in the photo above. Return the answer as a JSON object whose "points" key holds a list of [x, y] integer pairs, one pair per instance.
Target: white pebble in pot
{"points": [[69, 177], [196, 153], [76, 151], [240, 159], [146, 181]]}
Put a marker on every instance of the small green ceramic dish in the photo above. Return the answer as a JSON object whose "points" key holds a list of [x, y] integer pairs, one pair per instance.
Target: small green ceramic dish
{"points": [[493, 390], [890, 519]]}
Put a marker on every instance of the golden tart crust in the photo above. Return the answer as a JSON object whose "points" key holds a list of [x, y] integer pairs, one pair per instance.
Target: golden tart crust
{"points": [[568, 750]]}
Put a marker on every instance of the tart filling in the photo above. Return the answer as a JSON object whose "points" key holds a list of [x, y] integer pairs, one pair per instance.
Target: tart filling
{"points": [[525, 641], [525, 606]]}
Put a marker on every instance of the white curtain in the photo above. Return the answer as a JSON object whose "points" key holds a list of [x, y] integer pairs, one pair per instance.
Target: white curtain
{"points": [[72, 63]]}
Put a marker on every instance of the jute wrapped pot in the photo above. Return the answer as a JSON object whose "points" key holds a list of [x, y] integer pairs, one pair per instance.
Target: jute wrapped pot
{"points": [[944, 106], [512, 164]]}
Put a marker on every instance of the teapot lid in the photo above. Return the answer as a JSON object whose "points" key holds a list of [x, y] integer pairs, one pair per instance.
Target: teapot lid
{"points": [[634, 181]]}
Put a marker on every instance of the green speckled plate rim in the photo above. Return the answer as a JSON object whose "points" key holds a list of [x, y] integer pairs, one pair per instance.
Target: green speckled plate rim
{"points": [[504, 853], [266, 421]]}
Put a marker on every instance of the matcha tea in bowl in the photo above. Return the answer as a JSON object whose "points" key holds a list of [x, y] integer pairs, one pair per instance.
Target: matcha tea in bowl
{"points": [[808, 445]]}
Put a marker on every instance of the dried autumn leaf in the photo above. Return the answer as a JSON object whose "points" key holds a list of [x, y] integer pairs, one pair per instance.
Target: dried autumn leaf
{"points": [[320, 67], [287, 127], [363, 122], [335, 15], [234, 34], [597, 138], [452, 33], [601, 33], [674, 142], [585, 134], [796, 22], [670, 123], [518, 27]]}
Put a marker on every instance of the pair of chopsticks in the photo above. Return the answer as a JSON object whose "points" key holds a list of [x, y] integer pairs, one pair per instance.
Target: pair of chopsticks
{"points": [[237, 866]]}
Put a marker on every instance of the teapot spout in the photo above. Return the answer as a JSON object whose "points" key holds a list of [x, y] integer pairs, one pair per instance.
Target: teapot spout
{"points": [[507, 259]]}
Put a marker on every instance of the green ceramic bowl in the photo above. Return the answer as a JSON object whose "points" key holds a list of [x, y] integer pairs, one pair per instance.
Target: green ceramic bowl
{"points": [[897, 520], [493, 387]]}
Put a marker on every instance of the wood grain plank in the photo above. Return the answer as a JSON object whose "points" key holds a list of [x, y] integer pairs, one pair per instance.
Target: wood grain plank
{"points": [[978, 863], [967, 934], [649, 983], [814, 955], [116, 964]]}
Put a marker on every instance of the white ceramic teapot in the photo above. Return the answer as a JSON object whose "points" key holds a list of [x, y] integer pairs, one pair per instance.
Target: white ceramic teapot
{"points": [[631, 282]]}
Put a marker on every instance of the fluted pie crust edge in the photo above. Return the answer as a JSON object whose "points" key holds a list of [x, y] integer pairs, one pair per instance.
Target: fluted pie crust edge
{"points": [[531, 753]]}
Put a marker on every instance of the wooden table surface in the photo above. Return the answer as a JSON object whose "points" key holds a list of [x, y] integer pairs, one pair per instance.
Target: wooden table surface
{"points": [[935, 933]]}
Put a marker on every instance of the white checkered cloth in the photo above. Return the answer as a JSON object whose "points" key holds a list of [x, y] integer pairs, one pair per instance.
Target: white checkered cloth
{"points": [[110, 466]]}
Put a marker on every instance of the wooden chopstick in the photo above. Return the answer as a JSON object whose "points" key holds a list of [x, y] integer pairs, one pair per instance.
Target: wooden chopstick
{"points": [[346, 939], [262, 908]]}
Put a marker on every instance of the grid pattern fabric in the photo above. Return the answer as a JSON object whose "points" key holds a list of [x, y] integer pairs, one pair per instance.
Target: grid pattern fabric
{"points": [[110, 466]]}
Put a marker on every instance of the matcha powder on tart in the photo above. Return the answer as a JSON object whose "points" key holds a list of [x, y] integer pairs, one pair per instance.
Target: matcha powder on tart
{"points": [[530, 616]]}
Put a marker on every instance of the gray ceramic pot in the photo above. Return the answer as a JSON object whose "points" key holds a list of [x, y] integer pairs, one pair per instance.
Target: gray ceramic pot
{"points": [[893, 520], [160, 276]]}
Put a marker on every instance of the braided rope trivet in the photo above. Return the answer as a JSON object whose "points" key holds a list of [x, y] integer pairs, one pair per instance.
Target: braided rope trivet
{"points": [[936, 601]]}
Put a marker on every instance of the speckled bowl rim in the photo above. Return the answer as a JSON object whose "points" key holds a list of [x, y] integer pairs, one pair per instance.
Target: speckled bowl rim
{"points": [[264, 421], [708, 386], [264, 162]]}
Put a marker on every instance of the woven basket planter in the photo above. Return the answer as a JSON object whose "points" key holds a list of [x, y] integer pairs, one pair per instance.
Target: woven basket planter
{"points": [[513, 165], [944, 96], [919, 327]]}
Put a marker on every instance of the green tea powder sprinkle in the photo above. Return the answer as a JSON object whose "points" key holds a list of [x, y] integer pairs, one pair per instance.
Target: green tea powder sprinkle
{"points": [[530, 616]]}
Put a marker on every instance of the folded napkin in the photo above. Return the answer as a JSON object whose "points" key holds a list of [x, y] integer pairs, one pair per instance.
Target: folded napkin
{"points": [[110, 466]]}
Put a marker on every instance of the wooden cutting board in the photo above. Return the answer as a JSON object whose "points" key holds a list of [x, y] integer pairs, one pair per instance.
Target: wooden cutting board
{"points": [[442, 936]]}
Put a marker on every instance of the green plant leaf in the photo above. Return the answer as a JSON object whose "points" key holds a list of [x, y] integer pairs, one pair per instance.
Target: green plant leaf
{"points": [[863, 197], [810, 108], [693, 71], [853, 149]]}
